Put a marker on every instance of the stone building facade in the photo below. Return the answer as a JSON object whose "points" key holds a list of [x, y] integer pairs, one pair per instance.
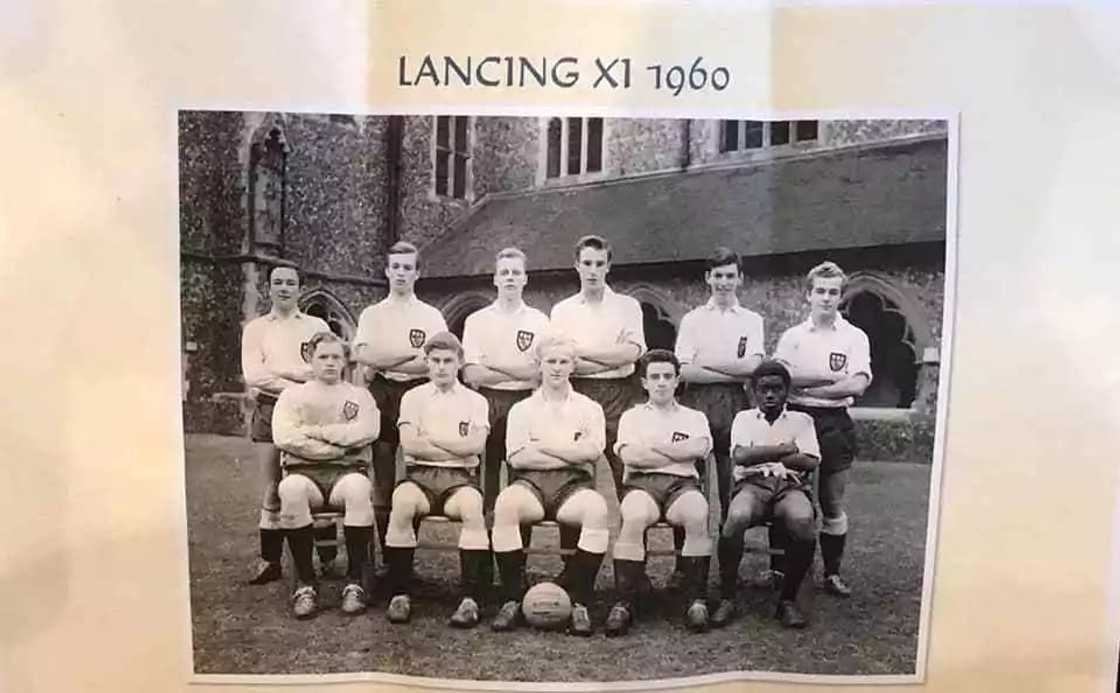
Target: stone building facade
{"points": [[331, 193]]}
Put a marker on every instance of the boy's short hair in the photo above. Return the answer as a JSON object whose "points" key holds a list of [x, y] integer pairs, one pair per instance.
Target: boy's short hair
{"points": [[324, 337], [825, 270], [552, 340], [592, 241], [444, 340], [723, 256], [404, 248], [510, 253], [771, 367], [658, 356], [285, 265]]}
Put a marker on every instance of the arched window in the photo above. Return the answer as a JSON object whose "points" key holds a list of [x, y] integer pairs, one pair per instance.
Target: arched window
{"points": [[659, 329], [456, 310], [661, 314], [898, 332], [268, 156], [324, 305]]}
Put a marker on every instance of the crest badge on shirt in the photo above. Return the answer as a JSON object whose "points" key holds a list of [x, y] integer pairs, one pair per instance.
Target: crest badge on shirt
{"points": [[305, 351], [350, 410], [524, 340], [742, 347], [416, 338], [464, 428], [837, 361], [678, 436]]}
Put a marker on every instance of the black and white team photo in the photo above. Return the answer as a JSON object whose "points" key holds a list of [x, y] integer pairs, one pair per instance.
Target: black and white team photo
{"points": [[562, 399]]}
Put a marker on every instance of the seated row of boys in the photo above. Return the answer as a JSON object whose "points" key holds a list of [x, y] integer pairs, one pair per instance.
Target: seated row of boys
{"points": [[554, 439]]}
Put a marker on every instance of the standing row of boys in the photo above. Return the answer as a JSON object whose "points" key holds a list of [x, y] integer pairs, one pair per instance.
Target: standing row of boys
{"points": [[553, 397]]}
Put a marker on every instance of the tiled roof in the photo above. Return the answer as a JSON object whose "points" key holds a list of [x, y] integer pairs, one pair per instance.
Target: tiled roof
{"points": [[884, 195]]}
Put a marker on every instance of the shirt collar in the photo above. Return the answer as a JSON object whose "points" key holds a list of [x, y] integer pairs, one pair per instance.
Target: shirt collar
{"points": [[673, 409], [391, 300], [836, 325], [539, 394], [496, 306], [734, 308], [758, 414], [296, 315], [450, 391], [608, 294]]}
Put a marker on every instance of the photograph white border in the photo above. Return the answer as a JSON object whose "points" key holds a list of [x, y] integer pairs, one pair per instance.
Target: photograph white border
{"points": [[952, 118]]}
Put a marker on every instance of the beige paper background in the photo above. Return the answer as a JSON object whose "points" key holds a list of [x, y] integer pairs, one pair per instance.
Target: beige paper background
{"points": [[93, 592]]}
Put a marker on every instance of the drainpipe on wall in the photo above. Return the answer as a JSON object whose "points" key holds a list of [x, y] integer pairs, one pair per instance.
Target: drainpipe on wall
{"points": [[686, 136], [394, 134]]}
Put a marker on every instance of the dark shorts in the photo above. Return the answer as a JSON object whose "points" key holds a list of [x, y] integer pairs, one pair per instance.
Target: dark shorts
{"points": [[261, 426], [387, 394], [552, 487], [720, 402], [614, 395], [769, 491], [665, 489], [325, 476], [836, 436], [439, 483]]}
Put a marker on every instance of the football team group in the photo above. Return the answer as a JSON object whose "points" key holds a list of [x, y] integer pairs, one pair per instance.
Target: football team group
{"points": [[551, 397]]}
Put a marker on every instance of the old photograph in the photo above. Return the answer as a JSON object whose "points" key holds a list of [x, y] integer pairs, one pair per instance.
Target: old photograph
{"points": [[563, 399]]}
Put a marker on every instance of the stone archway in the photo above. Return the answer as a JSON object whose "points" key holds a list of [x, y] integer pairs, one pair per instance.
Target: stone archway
{"points": [[267, 187], [660, 332], [456, 310], [323, 304], [899, 332], [660, 315]]}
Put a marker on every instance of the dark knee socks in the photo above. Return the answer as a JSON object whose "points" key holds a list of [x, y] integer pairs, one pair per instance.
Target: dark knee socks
{"points": [[799, 558], [272, 545], [730, 553], [511, 566], [832, 550], [301, 543], [473, 569], [357, 550]]}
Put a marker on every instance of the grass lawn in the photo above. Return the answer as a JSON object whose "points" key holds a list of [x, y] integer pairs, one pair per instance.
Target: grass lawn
{"points": [[239, 629]]}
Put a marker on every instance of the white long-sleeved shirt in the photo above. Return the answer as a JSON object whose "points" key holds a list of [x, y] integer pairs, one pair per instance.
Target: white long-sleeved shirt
{"points": [[319, 423], [272, 344]]}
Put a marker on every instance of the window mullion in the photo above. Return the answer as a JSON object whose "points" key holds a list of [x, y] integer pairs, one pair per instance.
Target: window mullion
{"points": [[584, 142], [564, 147], [451, 145]]}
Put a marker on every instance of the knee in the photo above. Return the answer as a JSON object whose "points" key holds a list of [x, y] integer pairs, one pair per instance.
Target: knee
{"points": [[405, 504], [738, 521], [832, 507], [507, 508], [832, 499], [469, 499], [635, 512], [595, 511], [693, 511], [292, 490], [355, 489], [469, 504], [801, 528]]}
